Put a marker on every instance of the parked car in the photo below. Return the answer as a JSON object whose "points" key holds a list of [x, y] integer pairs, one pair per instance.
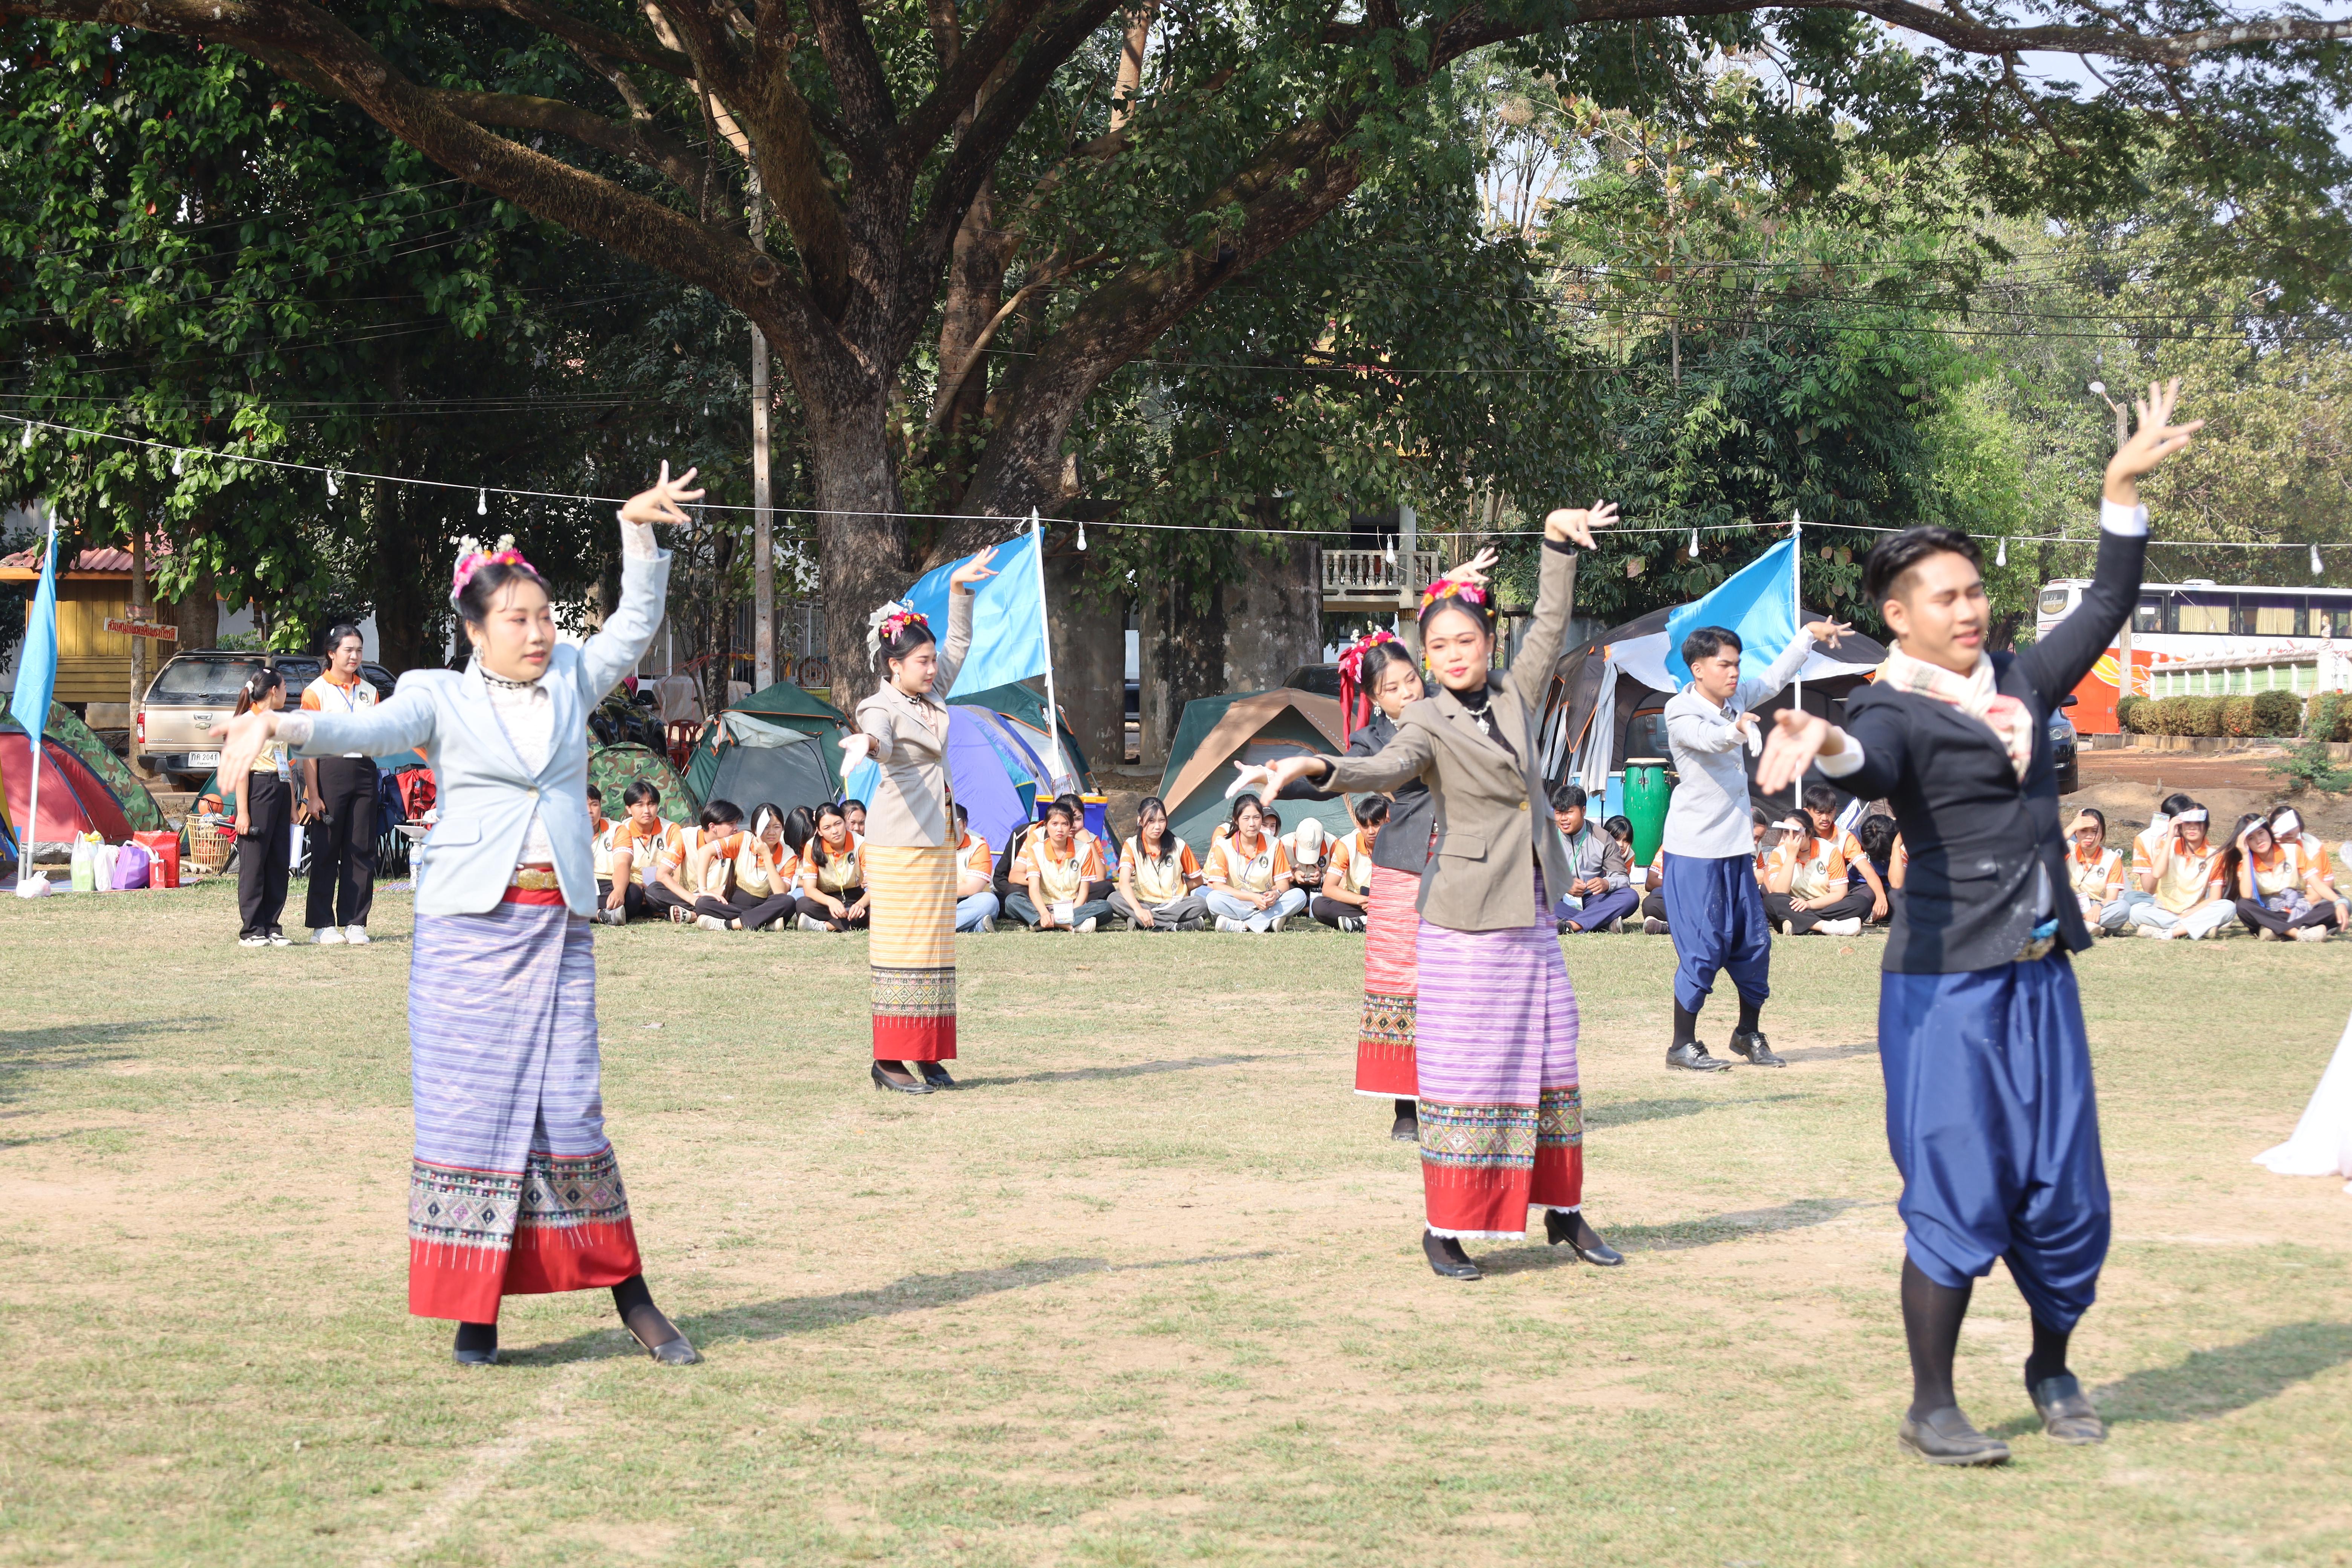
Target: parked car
{"points": [[2064, 741], [193, 695]]}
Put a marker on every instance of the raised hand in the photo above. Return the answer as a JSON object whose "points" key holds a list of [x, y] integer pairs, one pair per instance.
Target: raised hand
{"points": [[1796, 738], [663, 503], [2156, 439], [974, 571], [1827, 631], [1474, 571], [1274, 777], [1575, 524], [854, 748]]}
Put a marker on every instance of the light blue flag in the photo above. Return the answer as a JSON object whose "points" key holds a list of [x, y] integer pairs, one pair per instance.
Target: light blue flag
{"points": [[1758, 602], [1008, 631], [36, 661]]}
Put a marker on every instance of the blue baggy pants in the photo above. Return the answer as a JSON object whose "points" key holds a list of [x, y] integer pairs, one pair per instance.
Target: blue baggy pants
{"points": [[1716, 915]]}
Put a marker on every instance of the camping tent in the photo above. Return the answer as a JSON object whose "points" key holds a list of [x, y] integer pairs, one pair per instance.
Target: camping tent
{"points": [[790, 705], [138, 807], [1623, 674], [1024, 707], [74, 799], [1253, 727], [613, 769], [752, 762]]}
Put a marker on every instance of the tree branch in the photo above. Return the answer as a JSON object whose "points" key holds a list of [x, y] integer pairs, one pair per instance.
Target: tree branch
{"points": [[587, 34], [858, 80], [976, 60], [627, 139]]}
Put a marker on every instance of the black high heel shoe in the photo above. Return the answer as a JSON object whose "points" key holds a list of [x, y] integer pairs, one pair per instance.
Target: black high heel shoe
{"points": [[936, 1074], [477, 1345], [884, 1080], [1447, 1258], [1559, 1228], [1406, 1128]]}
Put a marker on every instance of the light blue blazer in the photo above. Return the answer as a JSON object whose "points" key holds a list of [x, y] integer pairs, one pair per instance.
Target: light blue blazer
{"points": [[485, 794]]}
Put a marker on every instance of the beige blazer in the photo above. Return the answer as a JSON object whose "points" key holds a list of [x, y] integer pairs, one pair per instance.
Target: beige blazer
{"points": [[914, 803], [1493, 817]]}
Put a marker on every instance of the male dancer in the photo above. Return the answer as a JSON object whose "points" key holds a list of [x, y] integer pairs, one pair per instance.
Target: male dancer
{"points": [[1714, 908], [1989, 1111]]}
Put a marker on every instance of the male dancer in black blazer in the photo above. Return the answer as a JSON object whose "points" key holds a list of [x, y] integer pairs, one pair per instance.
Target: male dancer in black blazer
{"points": [[1989, 1111]]}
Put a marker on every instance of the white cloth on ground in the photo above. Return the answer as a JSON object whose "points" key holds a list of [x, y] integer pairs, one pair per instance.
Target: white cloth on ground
{"points": [[2321, 1144]]}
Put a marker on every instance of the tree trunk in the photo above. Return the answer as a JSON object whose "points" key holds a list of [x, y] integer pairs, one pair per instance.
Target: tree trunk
{"points": [[1273, 618], [1183, 657], [1089, 635], [864, 555]]}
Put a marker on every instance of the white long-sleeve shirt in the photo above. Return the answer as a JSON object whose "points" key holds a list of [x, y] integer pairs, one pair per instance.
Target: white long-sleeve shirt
{"points": [[1708, 817]]}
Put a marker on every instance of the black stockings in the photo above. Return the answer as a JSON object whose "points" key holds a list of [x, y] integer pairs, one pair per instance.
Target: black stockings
{"points": [[2049, 1356], [1931, 1325], [634, 1301], [1685, 1025], [1751, 1015]]}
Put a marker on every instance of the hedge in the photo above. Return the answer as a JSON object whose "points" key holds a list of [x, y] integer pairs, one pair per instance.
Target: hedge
{"points": [[2258, 714], [2329, 718]]}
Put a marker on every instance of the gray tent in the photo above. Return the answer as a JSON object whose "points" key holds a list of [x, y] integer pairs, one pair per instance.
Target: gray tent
{"points": [[763, 762]]}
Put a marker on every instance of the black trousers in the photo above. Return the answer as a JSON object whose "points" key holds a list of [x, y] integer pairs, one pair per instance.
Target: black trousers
{"points": [[752, 909], [633, 898], [825, 917], [1855, 905], [342, 847], [1653, 906], [263, 855], [1331, 911], [2277, 921]]}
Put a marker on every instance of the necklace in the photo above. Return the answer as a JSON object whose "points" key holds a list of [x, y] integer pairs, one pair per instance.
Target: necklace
{"points": [[1478, 711], [502, 682]]}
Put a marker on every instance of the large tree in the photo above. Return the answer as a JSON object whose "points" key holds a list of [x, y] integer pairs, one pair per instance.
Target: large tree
{"points": [[1097, 171]]}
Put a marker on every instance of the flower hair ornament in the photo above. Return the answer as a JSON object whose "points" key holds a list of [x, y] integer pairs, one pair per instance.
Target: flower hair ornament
{"points": [[892, 616], [472, 558], [1355, 702], [1453, 588]]}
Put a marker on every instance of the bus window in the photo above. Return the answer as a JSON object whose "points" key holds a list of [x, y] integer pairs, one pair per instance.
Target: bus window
{"points": [[2056, 601], [2330, 618], [2270, 615], [2150, 615], [2201, 610]]}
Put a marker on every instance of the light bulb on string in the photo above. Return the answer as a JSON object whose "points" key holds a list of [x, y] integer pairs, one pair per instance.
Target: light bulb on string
{"points": [[2001, 555], [28, 435], [2315, 567], [1694, 548], [1082, 534], [482, 502], [1388, 549], [179, 464], [331, 492]]}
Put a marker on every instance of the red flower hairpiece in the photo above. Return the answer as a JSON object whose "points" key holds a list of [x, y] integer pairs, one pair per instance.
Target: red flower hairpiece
{"points": [[1453, 588], [1355, 703], [472, 558]]}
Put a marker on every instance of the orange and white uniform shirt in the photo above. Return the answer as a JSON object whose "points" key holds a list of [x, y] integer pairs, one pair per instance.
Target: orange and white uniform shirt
{"points": [[2280, 871], [328, 695], [2314, 869], [600, 848], [649, 848], [754, 862], [2145, 846], [1166, 879], [2188, 879], [840, 873], [2097, 880], [971, 856], [677, 861], [1060, 876], [1352, 859], [1246, 869], [1820, 864]]}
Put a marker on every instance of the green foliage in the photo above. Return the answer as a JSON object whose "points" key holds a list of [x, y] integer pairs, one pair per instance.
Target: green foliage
{"points": [[2128, 714], [2310, 766], [2183, 716], [2276, 713], [2328, 717], [2238, 716]]}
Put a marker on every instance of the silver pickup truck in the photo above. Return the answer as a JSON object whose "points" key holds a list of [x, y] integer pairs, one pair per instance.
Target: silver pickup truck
{"points": [[194, 694]]}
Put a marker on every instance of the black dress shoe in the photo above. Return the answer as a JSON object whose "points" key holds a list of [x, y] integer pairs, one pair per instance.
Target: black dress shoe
{"points": [[475, 1358], [884, 1080], [1693, 1057], [2065, 1411], [1447, 1258], [1751, 1043], [676, 1353], [936, 1074], [1944, 1437], [1559, 1228], [1406, 1129]]}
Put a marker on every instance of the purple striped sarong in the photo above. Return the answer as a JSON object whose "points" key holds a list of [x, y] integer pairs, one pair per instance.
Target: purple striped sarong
{"points": [[514, 1189], [1502, 1126]]}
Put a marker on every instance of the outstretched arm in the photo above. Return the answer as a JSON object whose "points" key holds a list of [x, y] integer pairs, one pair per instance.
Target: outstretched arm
{"points": [[629, 630], [1566, 531]]}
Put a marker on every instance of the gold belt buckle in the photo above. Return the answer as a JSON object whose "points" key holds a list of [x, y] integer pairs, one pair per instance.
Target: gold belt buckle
{"points": [[2038, 948], [536, 879]]}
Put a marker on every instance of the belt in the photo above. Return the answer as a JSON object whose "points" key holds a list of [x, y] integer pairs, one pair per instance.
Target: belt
{"points": [[535, 880], [2038, 945]]}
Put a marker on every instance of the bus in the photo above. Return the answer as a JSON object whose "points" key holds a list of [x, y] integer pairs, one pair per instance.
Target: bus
{"points": [[2196, 619]]}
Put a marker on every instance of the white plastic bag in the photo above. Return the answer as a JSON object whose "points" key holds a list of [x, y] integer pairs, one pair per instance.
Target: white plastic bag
{"points": [[79, 869], [101, 868]]}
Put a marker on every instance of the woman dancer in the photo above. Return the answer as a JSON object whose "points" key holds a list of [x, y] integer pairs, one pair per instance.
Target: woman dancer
{"points": [[514, 1189], [265, 813], [1502, 1128], [910, 836], [1990, 1110], [1378, 677]]}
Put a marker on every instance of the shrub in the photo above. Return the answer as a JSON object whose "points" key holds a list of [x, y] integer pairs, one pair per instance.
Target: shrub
{"points": [[2328, 717], [2309, 766], [2190, 715], [2127, 709], [2277, 713], [2238, 715]]}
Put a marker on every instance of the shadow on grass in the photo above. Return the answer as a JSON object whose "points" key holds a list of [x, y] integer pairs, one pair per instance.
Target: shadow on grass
{"points": [[1830, 1053], [812, 1314], [1133, 1069], [2214, 1383], [1681, 1234], [1625, 1113], [56, 1048]]}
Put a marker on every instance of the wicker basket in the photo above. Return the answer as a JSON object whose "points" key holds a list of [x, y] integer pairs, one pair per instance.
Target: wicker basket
{"points": [[210, 839]]}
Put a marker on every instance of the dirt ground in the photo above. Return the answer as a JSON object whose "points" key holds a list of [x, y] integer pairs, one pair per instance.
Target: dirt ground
{"points": [[2127, 785]]}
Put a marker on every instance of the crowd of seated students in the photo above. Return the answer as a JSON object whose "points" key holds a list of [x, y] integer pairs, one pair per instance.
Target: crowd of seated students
{"points": [[803, 869]]}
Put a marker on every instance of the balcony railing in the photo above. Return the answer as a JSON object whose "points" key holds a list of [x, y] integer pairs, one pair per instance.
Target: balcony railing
{"points": [[1369, 574]]}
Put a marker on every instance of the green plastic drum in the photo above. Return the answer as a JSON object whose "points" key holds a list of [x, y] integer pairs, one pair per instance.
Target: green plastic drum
{"points": [[1646, 792]]}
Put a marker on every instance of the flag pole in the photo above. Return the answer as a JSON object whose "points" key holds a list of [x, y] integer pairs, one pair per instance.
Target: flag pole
{"points": [[1797, 620], [29, 837], [1046, 629]]}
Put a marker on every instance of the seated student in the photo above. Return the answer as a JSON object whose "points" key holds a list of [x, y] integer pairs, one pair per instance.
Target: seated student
{"points": [[1654, 897], [2139, 865], [686, 875], [1308, 850], [2188, 884], [1346, 886], [639, 840], [833, 894], [2095, 873], [754, 872], [853, 811], [1601, 888], [1056, 874], [1805, 888], [1248, 877], [1157, 876], [1821, 807], [2268, 882], [667, 893], [1761, 824], [1877, 838], [1620, 829], [602, 831], [976, 900], [1085, 838], [2315, 872]]}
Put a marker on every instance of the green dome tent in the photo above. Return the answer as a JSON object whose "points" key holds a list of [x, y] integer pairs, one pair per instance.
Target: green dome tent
{"points": [[1254, 727], [138, 807], [783, 703], [612, 768], [752, 762]]}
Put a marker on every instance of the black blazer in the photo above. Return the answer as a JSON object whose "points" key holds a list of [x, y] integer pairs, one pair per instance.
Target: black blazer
{"points": [[1973, 829], [1413, 813]]}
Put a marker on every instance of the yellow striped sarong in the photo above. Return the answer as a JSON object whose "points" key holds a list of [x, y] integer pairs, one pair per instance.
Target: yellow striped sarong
{"points": [[912, 952]]}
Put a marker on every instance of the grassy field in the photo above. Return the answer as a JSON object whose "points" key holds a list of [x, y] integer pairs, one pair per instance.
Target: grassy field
{"points": [[1148, 1291]]}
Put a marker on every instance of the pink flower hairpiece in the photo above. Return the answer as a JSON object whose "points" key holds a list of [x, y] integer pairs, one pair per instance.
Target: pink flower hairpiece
{"points": [[1453, 588], [888, 621], [472, 558], [1351, 661]]}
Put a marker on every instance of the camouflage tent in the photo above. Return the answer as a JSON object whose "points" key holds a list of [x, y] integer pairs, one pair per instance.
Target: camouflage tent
{"points": [[612, 768], [138, 807]]}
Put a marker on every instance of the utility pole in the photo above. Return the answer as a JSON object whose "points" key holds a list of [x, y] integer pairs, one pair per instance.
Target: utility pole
{"points": [[139, 614], [764, 527]]}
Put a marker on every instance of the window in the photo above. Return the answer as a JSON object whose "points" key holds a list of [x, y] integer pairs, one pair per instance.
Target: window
{"points": [[2271, 614], [202, 680], [1647, 735], [2057, 601], [2330, 617], [2149, 616], [2201, 610]]}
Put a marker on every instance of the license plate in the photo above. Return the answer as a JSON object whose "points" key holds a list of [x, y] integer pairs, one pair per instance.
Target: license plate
{"points": [[204, 759]]}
